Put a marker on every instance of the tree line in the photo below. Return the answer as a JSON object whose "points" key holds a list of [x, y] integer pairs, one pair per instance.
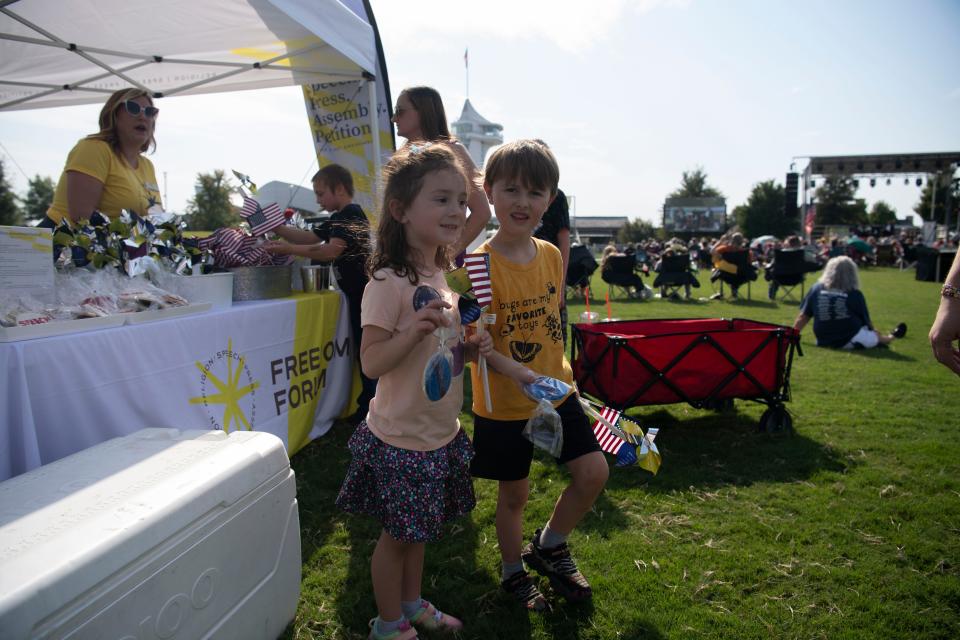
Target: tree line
{"points": [[836, 204], [763, 213]]}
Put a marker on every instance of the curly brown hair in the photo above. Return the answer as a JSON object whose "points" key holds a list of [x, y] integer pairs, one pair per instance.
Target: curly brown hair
{"points": [[402, 180]]}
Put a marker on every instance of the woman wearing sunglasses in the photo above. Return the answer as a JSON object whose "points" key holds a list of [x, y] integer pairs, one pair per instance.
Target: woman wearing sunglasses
{"points": [[421, 119], [105, 171]]}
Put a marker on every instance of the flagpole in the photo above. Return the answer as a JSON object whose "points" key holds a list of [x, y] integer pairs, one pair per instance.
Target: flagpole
{"points": [[466, 67]]}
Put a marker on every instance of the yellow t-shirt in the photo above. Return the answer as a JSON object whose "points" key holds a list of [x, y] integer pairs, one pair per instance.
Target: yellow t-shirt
{"points": [[526, 299], [123, 186]]}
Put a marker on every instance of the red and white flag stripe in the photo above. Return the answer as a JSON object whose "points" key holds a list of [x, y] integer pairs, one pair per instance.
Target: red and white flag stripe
{"points": [[609, 442], [262, 219], [479, 273]]}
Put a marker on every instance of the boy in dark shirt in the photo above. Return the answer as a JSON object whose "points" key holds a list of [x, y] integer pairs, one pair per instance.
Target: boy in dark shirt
{"points": [[344, 239]]}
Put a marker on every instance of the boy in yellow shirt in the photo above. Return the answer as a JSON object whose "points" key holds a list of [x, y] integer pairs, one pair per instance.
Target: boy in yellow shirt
{"points": [[527, 274]]}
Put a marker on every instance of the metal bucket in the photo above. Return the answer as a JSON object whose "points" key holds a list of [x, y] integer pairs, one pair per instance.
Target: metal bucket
{"points": [[315, 277], [262, 283], [215, 288]]}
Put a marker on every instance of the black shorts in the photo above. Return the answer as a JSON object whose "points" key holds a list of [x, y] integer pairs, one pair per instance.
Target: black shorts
{"points": [[502, 453]]}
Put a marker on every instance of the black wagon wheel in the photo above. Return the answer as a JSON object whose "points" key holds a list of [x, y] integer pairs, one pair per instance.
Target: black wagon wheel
{"points": [[776, 419]]}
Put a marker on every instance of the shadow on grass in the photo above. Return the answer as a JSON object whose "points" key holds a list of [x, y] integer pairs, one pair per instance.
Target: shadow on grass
{"points": [[744, 302], [571, 622], [877, 353], [725, 449], [685, 301]]}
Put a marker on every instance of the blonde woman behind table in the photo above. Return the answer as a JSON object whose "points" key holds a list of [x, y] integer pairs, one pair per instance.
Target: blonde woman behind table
{"points": [[106, 171]]}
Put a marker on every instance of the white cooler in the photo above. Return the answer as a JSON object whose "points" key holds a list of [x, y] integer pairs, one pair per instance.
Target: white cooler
{"points": [[160, 534]]}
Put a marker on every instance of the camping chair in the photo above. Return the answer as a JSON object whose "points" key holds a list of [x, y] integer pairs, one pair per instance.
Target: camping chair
{"points": [[619, 273], [581, 265], [788, 271], [884, 255], [674, 274], [746, 273]]}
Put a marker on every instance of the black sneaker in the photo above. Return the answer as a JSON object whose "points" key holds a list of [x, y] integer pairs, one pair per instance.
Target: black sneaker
{"points": [[521, 586], [900, 330], [556, 564]]}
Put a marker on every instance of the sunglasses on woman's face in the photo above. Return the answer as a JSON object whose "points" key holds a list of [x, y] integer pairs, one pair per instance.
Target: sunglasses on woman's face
{"points": [[134, 108]]}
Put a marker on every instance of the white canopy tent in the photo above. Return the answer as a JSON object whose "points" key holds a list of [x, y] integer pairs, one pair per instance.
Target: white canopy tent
{"points": [[65, 52]]}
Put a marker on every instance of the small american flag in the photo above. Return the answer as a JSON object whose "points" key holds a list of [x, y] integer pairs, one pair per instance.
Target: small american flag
{"points": [[478, 270], [260, 219], [207, 243], [609, 441], [232, 241]]}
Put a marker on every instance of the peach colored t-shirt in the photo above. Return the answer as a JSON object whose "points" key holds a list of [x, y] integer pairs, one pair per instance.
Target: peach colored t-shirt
{"points": [[400, 413]]}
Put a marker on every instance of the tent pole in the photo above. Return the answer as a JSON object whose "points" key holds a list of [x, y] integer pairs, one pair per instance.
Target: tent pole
{"points": [[375, 133]]}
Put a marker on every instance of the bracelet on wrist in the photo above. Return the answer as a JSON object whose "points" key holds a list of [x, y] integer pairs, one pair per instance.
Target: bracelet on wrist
{"points": [[950, 291]]}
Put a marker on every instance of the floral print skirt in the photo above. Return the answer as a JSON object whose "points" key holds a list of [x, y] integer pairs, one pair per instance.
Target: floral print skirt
{"points": [[411, 493]]}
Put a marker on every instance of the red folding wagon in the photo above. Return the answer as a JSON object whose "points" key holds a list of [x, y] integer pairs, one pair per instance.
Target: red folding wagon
{"points": [[704, 362]]}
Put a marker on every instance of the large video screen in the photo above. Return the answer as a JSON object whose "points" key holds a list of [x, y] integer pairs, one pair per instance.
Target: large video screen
{"points": [[707, 219]]}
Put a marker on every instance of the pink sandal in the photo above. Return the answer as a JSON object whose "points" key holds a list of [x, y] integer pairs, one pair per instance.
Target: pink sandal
{"points": [[432, 619], [405, 632]]}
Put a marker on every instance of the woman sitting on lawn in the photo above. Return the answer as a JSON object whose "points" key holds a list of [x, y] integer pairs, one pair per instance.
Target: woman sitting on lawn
{"points": [[839, 310]]}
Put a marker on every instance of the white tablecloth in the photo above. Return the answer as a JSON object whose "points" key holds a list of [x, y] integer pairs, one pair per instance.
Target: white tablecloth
{"points": [[282, 366]]}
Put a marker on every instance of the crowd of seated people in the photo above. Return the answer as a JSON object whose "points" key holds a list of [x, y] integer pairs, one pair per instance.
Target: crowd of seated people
{"points": [[869, 246]]}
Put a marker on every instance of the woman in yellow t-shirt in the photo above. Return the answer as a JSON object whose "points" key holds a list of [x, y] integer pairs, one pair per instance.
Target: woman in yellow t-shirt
{"points": [[105, 171]]}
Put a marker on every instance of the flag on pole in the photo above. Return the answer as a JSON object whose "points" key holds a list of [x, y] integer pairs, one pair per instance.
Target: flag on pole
{"points": [[811, 218], [613, 430], [466, 57], [478, 270], [612, 443], [206, 243], [609, 442], [261, 220]]}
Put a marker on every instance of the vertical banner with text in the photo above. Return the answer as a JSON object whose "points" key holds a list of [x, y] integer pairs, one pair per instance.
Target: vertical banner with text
{"points": [[342, 131]]}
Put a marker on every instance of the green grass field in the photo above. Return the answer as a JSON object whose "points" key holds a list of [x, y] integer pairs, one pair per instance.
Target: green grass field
{"points": [[849, 528]]}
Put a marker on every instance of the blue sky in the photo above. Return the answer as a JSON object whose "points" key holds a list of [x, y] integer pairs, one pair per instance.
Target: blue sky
{"points": [[629, 94]]}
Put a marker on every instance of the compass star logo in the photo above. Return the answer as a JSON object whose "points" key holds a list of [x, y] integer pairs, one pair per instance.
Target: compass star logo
{"points": [[227, 390]]}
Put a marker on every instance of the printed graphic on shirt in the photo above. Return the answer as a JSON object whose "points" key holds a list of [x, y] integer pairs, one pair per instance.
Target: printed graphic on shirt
{"points": [[522, 319], [832, 306]]}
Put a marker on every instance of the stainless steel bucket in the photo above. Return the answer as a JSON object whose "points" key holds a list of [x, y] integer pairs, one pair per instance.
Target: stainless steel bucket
{"points": [[262, 283]]}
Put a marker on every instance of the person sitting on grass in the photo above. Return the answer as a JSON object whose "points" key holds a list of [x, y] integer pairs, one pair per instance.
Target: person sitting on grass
{"points": [[839, 310]]}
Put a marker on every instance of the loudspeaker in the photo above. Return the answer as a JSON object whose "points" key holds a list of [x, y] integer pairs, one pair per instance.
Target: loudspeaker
{"points": [[790, 209]]}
